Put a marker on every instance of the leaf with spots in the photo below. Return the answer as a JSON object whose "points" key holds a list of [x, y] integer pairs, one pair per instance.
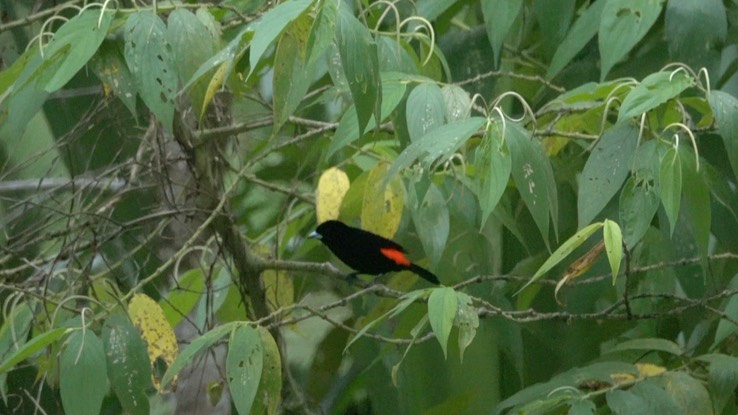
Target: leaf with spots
{"points": [[383, 202], [83, 378], [332, 187], [149, 318], [605, 170], [533, 176], [151, 62], [128, 364], [425, 110], [270, 387], [244, 366]]}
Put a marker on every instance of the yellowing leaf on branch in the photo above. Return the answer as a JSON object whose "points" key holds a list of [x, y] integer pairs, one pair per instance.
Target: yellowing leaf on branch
{"points": [[579, 267], [161, 343], [332, 187]]}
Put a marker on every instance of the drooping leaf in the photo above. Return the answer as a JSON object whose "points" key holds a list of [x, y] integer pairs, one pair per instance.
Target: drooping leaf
{"points": [[442, 307], [348, 128], [432, 223], [499, 16], [83, 381], [653, 91], [360, 63], [383, 202], [244, 366], [425, 110], [581, 32], [152, 64], [605, 170], [467, 320], [623, 23], [692, 28], [613, 238], [129, 369], [534, 178], [78, 39], [494, 164], [159, 336], [292, 75], [269, 394], [271, 25], [670, 178], [725, 109], [332, 187]]}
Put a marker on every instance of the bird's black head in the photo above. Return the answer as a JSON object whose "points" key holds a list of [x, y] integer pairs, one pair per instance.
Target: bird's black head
{"points": [[328, 230]]}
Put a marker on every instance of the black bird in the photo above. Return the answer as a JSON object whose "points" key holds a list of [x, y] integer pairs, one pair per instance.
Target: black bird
{"points": [[365, 252]]}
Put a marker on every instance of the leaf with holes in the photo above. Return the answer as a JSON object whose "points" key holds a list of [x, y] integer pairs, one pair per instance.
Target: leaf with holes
{"points": [[244, 366], [150, 60]]}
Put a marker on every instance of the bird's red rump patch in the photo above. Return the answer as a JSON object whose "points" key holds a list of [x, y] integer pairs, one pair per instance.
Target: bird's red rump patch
{"points": [[397, 256]]}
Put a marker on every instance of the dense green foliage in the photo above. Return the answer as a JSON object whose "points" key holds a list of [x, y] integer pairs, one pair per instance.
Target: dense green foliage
{"points": [[568, 168]]}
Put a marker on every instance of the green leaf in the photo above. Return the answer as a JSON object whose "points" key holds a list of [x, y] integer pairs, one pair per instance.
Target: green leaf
{"points": [[440, 143], [192, 44], [322, 30], [638, 204], [661, 345], [183, 298], [723, 375], [458, 102], [579, 407], [31, 347], [688, 393], [128, 364], [442, 307], [432, 223], [431, 9], [563, 251], [467, 320], [244, 366], [613, 246], [78, 39], [83, 379], [401, 305], [292, 76], [655, 90], [626, 402], [348, 129], [110, 66], [269, 394], [693, 28], [670, 183], [499, 16], [13, 335], [360, 63], [534, 178], [726, 328], [623, 23], [696, 200], [493, 163], [605, 170], [725, 109], [151, 62], [425, 110], [271, 25], [197, 346], [581, 32]]}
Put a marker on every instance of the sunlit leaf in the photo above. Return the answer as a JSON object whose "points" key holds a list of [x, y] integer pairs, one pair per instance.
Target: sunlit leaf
{"points": [[332, 187]]}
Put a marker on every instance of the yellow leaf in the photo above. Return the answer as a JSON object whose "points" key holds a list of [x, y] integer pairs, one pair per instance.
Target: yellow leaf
{"points": [[622, 378], [215, 83], [149, 318], [382, 206], [649, 369], [332, 187]]}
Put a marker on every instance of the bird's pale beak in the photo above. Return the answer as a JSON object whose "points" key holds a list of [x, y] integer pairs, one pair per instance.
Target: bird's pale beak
{"points": [[315, 235]]}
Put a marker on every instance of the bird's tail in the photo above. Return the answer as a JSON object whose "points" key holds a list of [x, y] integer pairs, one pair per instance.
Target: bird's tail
{"points": [[425, 274]]}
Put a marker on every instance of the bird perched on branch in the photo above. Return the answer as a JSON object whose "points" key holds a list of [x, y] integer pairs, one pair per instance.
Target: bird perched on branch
{"points": [[366, 252]]}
